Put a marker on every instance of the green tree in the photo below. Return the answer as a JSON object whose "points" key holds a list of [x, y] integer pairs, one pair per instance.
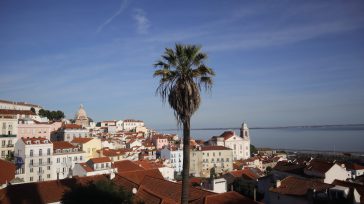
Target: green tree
{"points": [[32, 109], [253, 150], [182, 74], [98, 192]]}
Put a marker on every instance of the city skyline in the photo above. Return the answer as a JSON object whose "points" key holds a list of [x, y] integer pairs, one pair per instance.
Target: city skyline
{"points": [[277, 63]]}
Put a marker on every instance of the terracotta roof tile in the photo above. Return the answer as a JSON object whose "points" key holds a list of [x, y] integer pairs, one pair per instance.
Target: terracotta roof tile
{"points": [[299, 186], [230, 197], [100, 160], [72, 126], [170, 191], [354, 166], [62, 145], [137, 176], [227, 134], [319, 166], [7, 172], [245, 173], [42, 192], [126, 165], [36, 140]]}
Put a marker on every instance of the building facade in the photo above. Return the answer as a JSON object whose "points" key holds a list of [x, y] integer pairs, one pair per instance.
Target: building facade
{"points": [[33, 157], [65, 156], [239, 144], [203, 160]]}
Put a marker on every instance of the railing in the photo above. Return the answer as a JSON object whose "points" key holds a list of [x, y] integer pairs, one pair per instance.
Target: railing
{"points": [[10, 145], [33, 155], [4, 135], [40, 172], [40, 164]]}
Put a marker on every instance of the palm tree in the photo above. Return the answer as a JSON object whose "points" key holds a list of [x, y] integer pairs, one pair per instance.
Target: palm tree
{"points": [[182, 74]]}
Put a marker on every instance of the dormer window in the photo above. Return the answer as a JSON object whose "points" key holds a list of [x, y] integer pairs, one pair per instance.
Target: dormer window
{"points": [[37, 142], [28, 142], [45, 141]]}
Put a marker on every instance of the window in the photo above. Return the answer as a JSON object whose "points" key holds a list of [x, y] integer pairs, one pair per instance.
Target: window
{"points": [[213, 154], [48, 176], [31, 162], [30, 178], [58, 160], [207, 154], [49, 160], [40, 161], [80, 158], [102, 166], [234, 146], [31, 170], [219, 153], [3, 153], [40, 152], [49, 151], [48, 167], [31, 153], [227, 159], [3, 143]]}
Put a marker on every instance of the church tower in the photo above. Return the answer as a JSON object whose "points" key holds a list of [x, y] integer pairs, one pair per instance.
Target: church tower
{"points": [[244, 131]]}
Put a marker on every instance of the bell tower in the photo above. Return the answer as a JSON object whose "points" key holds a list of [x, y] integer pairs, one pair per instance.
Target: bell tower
{"points": [[244, 131]]}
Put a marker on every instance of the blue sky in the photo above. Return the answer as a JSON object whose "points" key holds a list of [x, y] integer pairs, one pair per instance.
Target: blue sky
{"points": [[276, 62]]}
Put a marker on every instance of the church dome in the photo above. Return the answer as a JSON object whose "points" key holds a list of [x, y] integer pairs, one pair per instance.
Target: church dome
{"points": [[81, 113]]}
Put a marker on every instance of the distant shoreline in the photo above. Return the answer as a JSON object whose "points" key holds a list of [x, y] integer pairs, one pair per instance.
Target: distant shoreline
{"points": [[276, 127]]}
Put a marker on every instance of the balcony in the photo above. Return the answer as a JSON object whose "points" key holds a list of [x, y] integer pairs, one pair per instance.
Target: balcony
{"points": [[40, 164], [4, 135], [10, 145]]}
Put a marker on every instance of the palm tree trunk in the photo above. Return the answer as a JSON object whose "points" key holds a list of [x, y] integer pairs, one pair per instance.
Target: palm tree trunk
{"points": [[186, 161]]}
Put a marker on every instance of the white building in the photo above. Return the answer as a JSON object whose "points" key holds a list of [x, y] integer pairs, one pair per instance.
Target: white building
{"points": [[65, 156], [327, 171], [218, 157], [95, 166], [12, 105], [34, 157], [239, 144], [130, 124], [175, 157], [70, 131]]}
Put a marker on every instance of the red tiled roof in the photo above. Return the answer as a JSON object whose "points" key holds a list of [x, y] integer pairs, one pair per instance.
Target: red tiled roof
{"points": [[148, 164], [245, 173], [43, 192], [127, 165], [114, 152], [100, 160], [227, 134], [213, 148], [137, 176], [170, 191], [354, 166], [299, 186], [35, 140], [7, 172], [16, 112], [230, 197], [81, 140], [319, 166], [63, 145], [86, 167], [72, 126]]}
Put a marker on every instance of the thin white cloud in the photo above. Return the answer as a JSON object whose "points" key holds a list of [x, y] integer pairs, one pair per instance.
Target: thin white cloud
{"points": [[123, 6], [142, 21]]}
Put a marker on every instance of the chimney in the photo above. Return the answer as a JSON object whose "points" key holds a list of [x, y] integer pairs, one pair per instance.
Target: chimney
{"points": [[278, 183]]}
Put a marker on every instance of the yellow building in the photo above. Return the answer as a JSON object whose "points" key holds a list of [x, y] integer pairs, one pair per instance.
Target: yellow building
{"points": [[88, 145]]}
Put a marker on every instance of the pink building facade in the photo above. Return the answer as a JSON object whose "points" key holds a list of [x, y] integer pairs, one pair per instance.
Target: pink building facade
{"points": [[31, 129], [160, 141]]}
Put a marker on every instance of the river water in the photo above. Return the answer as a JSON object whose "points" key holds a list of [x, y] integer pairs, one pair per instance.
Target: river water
{"points": [[338, 138]]}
